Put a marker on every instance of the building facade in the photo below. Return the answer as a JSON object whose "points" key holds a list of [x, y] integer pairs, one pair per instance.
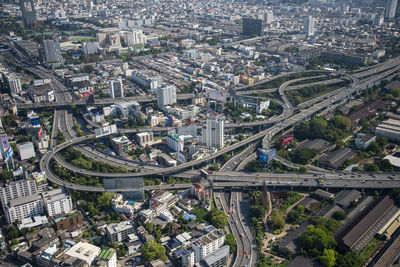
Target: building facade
{"points": [[213, 133], [166, 96], [57, 201], [116, 88]]}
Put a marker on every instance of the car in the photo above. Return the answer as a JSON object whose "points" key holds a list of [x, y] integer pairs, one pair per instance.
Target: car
{"points": [[232, 221], [248, 256], [245, 252]]}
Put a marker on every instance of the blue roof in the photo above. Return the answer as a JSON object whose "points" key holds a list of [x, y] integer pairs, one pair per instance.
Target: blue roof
{"points": [[189, 217]]}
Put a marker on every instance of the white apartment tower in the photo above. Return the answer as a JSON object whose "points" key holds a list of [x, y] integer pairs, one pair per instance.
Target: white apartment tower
{"points": [[309, 26], [13, 82], [23, 207], [166, 96], [116, 89], [213, 134], [269, 16], [57, 201], [391, 8], [17, 189]]}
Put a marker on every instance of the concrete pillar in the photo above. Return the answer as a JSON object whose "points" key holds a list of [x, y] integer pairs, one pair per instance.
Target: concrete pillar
{"points": [[163, 178]]}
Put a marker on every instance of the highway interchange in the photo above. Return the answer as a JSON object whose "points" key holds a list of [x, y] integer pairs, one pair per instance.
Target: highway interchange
{"points": [[227, 177]]}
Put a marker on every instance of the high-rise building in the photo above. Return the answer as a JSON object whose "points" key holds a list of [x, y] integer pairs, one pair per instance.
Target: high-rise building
{"points": [[23, 207], [116, 88], [57, 201], [17, 189], [52, 53], [166, 95], [13, 82], [252, 26], [213, 133], [28, 13], [134, 37], [309, 26], [391, 8]]}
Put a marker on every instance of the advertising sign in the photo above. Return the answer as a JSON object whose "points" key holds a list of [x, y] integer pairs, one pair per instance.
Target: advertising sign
{"points": [[40, 133], [288, 139], [35, 121], [4, 143], [8, 154]]}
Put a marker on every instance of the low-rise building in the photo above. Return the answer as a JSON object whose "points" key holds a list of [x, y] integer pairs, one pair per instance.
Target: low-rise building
{"points": [[84, 251], [69, 221], [118, 232], [107, 257], [362, 141], [389, 129], [145, 138], [26, 150], [121, 144]]}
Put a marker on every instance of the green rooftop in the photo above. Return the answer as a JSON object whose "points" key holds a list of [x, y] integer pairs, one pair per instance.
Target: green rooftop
{"points": [[106, 254]]}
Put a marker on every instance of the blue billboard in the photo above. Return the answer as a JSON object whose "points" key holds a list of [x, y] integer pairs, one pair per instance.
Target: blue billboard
{"points": [[35, 121], [265, 155]]}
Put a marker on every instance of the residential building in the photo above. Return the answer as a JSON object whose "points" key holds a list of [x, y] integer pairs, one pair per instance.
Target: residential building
{"points": [[202, 247], [263, 105], [118, 232], [28, 13], [84, 251], [23, 207], [212, 134], [26, 150], [17, 189], [13, 82], [108, 257], [134, 37], [218, 258], [309, 26], [121, 144], [175, 142], [166, 95], [269, 16], [116, 89], [90, 48], [252, 26], [120, 205], [391, 8], [57, 201], [52, 53], [145, 138], [198, 191]]}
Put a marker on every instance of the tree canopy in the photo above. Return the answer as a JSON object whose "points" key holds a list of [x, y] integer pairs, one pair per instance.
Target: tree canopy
{"points": [[152, 251]]}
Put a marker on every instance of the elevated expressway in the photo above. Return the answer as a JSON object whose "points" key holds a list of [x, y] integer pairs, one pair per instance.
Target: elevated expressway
{"points": [[336, 97]]}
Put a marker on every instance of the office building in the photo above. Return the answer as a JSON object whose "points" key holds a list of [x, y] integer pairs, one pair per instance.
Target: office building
{"points": [[57, 201], [26, 150], [202, 247], [90, 48], [13, 82], [84, 251], [212, 134], [116, 89], [23, 207], [28, 13], [17, 189], [252, 27], [309, 26], [52, 53], [166, 96], [391, 7], [118, 232]]}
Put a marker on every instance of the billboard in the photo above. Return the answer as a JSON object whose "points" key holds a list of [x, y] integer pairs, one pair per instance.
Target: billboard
{"points": [[266, 155], [8, 154], [4, 143], [106, 130], [288, 139], [39, 176], [40, 133], [35, 121]]}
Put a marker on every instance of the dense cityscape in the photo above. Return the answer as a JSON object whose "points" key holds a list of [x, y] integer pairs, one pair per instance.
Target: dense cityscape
{"points": [[204, 133]]}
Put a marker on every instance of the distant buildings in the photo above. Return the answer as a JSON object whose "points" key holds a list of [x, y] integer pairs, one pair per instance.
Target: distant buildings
{"points": [[166, 95], [212, 135], [309, 26], [28, 13], [391, 9], [252, 26], [116, 89], [52, 53]]}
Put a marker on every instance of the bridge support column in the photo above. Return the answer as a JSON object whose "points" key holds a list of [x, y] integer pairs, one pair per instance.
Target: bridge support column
{"points": [[291, 188], [327, 189], [163, 178], [232, 153], [213, 161], [362, 190], [309, 188]]}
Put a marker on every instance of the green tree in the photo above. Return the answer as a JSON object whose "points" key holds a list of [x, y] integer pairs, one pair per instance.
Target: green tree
{"points": [[328, 258], [218, 218], [104, 200], [277, 220], [341, 122], [152, 251], [339, 215], [314, 240], [230, 240]]}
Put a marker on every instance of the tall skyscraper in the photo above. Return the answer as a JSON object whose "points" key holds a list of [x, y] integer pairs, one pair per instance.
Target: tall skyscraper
{"points": [[13, 82], [166, 95], [252, 26], [52, 53], [269, 16], [391, 8], [28, 13], [309, 26], [116, 88], [213, 134]]}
